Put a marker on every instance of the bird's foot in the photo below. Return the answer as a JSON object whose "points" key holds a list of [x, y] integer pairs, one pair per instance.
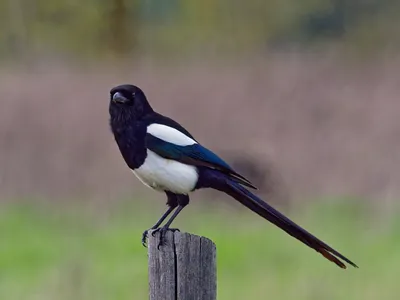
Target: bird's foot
{"points": [[144, 237], [163, 230]]}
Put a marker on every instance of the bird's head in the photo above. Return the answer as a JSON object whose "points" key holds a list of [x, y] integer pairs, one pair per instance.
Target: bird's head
{"points": [[128, 101]]}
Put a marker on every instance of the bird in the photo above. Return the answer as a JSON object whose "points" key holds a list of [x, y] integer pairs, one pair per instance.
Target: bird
{"points": [[167, 158]]}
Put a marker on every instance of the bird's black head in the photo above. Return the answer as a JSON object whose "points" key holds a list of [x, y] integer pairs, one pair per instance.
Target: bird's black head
{"points": [[128, 102]]}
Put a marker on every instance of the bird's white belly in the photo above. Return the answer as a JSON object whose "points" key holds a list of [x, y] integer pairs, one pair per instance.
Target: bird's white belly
{"points": [[167, 175]]}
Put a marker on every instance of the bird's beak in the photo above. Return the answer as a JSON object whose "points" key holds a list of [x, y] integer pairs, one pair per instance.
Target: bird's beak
{"points": [[119, 98]]}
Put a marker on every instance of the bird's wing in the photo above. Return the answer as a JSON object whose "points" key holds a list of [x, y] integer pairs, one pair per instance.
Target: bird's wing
{"points": [[159, 119], [173, 144]]}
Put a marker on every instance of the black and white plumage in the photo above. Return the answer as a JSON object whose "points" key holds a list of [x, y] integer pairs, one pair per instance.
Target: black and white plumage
{"points": [[167, 158]]}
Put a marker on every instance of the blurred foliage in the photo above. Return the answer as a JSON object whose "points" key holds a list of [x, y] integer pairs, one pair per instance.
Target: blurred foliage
{"points": [[96, 28]]}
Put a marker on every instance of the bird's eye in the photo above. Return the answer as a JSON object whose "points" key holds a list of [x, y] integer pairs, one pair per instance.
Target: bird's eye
{"points": [[133, 94]]}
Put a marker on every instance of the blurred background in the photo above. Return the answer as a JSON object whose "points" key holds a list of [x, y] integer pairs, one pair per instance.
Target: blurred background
{"points": [[299, 96]]}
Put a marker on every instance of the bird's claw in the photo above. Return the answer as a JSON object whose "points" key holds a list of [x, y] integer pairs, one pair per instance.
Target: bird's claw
{"points": [[163, 231], [144, 238]]}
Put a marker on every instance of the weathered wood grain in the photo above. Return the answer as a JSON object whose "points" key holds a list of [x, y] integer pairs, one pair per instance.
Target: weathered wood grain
{"points": [[183, 269]]}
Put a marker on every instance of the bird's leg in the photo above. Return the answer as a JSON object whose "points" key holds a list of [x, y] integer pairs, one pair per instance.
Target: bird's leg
{"points": [[183, 200], [155, 226], [172, 202], [163, 230]]}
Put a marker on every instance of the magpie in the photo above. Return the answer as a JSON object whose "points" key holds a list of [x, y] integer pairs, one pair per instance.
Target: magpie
{"points": [[167, 158]]}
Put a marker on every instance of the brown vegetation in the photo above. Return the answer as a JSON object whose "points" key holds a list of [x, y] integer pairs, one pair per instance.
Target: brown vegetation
{"points": [[328, 127]]}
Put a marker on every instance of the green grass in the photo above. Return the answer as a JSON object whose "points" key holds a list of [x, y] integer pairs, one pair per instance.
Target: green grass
{"points": [[48, 253]]}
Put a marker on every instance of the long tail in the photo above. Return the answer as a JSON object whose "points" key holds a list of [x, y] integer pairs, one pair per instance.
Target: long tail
{"points": [[266, 211]]}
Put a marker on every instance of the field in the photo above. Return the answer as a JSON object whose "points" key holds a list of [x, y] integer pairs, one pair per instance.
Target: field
{"points": [[300, 97], [50, 252]]}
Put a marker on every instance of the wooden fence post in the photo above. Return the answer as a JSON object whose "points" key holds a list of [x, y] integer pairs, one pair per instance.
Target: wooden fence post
{"points": [[183, 269]]}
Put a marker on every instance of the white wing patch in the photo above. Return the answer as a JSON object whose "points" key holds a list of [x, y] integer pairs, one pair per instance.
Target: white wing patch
{"points": [[167, 175], [170, 135]]}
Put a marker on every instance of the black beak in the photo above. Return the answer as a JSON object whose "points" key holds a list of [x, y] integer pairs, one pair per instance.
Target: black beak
{"points": [[119, 98]]}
